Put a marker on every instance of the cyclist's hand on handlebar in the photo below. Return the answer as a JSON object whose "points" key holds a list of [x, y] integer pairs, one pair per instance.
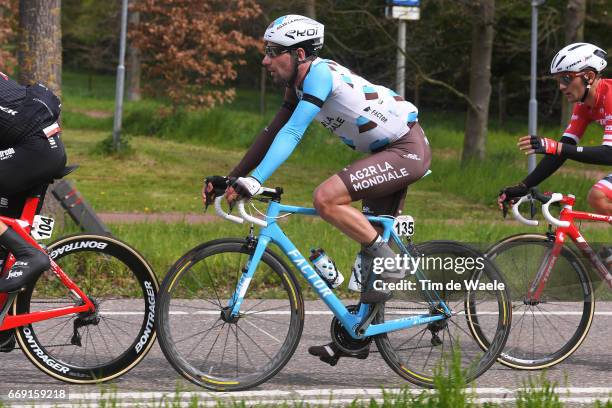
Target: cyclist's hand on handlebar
{"points": [[542, 145], [247, 187], [231, 195], [213, 187], [508, 194]]}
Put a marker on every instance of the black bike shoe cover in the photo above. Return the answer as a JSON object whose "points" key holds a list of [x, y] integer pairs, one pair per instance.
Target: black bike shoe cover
{"points": [[30, 262]]}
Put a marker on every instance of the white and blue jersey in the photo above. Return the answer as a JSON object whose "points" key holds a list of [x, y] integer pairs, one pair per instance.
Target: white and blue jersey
{"points": [[365, 116]]}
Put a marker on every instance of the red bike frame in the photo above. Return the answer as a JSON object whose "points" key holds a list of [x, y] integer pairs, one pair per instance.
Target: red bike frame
{"points": [[561, 234], [23, 226]]}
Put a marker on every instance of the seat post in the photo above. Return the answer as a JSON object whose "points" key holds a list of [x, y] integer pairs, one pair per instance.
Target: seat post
{"points": [[33, 203]]}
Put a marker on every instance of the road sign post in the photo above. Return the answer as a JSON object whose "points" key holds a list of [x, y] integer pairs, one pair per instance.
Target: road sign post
{"points": [[402, 10]]}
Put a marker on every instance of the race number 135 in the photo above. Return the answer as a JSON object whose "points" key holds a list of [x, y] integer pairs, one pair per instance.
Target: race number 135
{"points": [[404, 225]]}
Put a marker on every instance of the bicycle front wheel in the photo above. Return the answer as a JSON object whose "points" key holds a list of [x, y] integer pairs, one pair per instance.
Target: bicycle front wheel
{"points": [[461, 278], [93, 346], [547, 331], [208, 347]]}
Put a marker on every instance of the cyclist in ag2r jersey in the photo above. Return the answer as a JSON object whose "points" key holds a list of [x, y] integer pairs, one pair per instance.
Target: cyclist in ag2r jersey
{"points": [[366, 117]]}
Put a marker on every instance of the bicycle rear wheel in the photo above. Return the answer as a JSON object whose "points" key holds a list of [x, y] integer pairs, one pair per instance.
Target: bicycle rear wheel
{"points": [[447, 348], [215, 351], [548, 331], [101, 345]]}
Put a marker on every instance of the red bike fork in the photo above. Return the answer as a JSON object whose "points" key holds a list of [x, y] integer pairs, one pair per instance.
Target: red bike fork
{"points": [[545, 269]]}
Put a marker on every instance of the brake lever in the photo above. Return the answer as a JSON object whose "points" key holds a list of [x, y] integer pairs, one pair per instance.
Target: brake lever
{"points": [[532, 208]]}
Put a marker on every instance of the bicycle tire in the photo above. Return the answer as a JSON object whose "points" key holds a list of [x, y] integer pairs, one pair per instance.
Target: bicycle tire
{"points": [[427, 359], [569, 287], [186, 292], [129, 288]]}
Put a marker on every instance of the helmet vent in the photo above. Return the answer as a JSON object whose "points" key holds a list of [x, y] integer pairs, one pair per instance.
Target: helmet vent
{"points": [[560, 59]]}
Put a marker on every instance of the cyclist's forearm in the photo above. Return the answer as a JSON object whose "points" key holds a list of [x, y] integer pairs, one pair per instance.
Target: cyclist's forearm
{"points": [[286, 140], [262, 143], [592, 155], [547, 166]]}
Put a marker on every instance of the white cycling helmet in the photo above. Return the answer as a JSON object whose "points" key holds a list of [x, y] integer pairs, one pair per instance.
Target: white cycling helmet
{"points": [[294, 29], [577, 57]]}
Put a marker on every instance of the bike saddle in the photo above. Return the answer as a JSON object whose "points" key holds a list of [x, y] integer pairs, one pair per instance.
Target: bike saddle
{"points": [[65, 171]]}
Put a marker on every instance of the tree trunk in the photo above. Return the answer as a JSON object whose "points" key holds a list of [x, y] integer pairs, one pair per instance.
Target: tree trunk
{"points": [[40, 43], [40, 58], [574, 32], [133, 61], [480, 81], [310, 9]]}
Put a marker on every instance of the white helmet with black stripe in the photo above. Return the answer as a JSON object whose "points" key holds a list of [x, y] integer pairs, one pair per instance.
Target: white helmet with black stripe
{"points": [[578, 57], [293, 29]]}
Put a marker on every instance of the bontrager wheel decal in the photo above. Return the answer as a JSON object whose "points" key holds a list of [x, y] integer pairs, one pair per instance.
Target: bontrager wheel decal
{"points": [[93, 247]]}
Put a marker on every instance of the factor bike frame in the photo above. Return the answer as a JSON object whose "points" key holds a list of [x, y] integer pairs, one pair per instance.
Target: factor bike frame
{"points": [[272, 233], [23, 226]]}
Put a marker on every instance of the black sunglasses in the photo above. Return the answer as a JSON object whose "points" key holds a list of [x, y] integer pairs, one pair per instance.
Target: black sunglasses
{"points": [[274, 51]]}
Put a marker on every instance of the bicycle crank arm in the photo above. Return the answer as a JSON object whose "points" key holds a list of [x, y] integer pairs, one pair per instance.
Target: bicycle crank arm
{"points": [[363, 326]]}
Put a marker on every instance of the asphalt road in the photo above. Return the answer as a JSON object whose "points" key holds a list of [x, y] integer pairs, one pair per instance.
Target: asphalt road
{"points": [[586, 374]]}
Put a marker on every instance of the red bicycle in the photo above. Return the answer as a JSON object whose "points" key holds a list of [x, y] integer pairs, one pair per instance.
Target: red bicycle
{"points": [[91, 316], [552, 294]]}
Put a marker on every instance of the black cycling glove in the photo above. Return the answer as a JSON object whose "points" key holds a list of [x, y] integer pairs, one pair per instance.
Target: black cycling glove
{"points": [[219, 184]]}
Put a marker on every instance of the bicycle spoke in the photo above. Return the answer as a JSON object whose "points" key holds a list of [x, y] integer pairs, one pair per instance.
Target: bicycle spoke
{"points": [[214, 326], [212, 347], [254, 342]]}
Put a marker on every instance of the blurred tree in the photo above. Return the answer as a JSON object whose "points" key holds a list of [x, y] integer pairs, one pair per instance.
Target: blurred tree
{"points": [[310, 9], [40, 55], [8, 30], [40, 43], [133, 57], [91, 36], [480, 80], [574, 32], [190, 48]]}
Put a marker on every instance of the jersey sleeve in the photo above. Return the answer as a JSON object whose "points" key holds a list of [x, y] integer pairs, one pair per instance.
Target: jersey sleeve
{"points": [[317, 87], [579, 121]]}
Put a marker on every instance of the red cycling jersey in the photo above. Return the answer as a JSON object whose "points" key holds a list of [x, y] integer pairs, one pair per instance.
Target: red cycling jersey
{"points": [[601, 113]]}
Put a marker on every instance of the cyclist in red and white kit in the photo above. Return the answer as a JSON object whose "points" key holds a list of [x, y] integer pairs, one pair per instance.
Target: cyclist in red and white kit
{"points": [[577, 68]]}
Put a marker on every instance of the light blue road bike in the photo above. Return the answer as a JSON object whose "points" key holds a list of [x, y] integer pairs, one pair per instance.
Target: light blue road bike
{"points": [[231, 313]]}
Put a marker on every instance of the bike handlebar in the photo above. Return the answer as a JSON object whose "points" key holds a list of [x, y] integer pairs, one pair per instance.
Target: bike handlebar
{"points": [[517, 214], [546, 202], [556, 197], [244, 216]]}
